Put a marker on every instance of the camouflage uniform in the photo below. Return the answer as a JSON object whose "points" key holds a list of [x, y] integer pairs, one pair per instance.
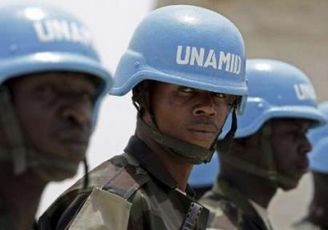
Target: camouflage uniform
{"points": [[5, 219], [137, 176], [307, 225], [230, 210]]}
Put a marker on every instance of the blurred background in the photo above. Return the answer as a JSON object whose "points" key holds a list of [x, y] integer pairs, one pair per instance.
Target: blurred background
{"points": [[290, 30], [294, 31]]}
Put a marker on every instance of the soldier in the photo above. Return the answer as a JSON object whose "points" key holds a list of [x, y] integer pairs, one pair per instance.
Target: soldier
{"points": [[185, 67], [51, 83], [270, 148], [202, 176], [317, 217]]}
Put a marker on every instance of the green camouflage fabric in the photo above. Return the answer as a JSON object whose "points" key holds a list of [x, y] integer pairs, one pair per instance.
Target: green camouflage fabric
{"points": [[6, 221], [230, 210], [140, 178], [306, 225]]}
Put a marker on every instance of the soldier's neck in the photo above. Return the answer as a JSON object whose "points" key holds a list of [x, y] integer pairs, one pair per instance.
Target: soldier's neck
{"points": [[255, 188], [178, 168], [318, 211], [21, 195], [318, 214]]}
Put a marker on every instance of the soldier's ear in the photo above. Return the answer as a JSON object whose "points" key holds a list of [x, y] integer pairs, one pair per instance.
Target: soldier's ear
{"points": [[146, 117], [141, 97], [242, 145], [239, 144]]}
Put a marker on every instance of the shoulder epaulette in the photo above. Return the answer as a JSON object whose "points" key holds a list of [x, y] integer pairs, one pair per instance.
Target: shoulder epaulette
{"points": [[116, 175]]}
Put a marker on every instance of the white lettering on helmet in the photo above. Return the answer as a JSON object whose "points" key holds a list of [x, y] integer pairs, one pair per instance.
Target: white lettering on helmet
{"points": [[224, 59], [61, 30], [186, 59], [197, 56], [304, 91], [208, 59], [211, 59]]}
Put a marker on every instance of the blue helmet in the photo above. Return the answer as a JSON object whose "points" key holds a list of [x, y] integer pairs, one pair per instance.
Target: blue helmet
{"points": [[37, 37], [319, 140], [268, 98], [184, 45]]}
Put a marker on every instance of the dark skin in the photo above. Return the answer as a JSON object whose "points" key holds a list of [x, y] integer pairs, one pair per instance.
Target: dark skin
{"points": [[290, 147], [194, 116], [319, 205], [55, 115]]}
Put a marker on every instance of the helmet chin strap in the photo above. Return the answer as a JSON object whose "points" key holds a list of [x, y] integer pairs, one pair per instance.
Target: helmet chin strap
{"points": [[13, 132], [39, 163], [192, 153], [271, 173], [24, 157], [224, 145]]}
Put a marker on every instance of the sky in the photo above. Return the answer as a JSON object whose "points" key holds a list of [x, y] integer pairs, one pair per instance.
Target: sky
{"points": [[112, 23]]}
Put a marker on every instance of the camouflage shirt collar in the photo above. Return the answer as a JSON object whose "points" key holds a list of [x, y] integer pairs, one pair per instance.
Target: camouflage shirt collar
{"points": [[150, 162], [6, 218]]}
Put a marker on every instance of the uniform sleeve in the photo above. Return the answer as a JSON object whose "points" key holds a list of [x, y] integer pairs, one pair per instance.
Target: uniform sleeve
{"points": [[142, 216], [72, 210], [101, 210], [137, 220], [59, 214]]}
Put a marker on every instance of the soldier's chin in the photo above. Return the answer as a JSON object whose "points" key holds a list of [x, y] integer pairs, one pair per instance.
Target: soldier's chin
{"points": [[54, 174], [288, 184]]}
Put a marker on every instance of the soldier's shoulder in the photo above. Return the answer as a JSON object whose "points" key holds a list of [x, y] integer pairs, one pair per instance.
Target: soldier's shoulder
{"points": [[110, 172], [222, 211], [305, 225], [218, 219], [119, 175], [215, 201]]}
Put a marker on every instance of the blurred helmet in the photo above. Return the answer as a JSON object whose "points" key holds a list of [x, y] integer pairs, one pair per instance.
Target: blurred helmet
{"points": [[319, 140], [276, 90], [184, 45], [37, 37]]}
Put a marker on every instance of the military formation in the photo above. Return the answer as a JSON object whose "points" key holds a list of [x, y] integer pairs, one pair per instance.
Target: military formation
{"points": [[217, 134]]}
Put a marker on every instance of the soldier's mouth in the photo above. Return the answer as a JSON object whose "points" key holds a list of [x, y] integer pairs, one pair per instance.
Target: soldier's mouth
{"points": [[203, 133], [302, 166]]}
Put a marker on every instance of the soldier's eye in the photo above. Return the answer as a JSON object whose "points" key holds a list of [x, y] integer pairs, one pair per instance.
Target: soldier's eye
{"points": [[46, 91], [87, 96], [220, 95], [186, 89], [87, 93]]}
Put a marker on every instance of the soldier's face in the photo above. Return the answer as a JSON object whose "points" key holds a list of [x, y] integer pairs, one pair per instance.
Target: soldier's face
{"points": [[55, 114], [191, 115], [290, 147]]}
